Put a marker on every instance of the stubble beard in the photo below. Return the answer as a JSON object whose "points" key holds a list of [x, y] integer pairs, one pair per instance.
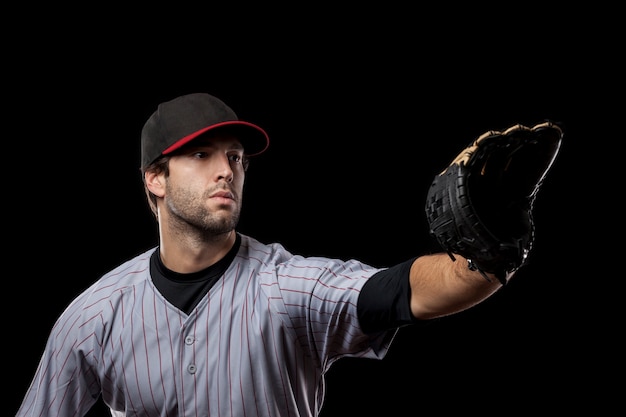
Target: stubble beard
{"points": [[191, 215]]}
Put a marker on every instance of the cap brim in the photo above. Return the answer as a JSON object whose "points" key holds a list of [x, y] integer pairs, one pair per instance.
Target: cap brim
{"points": [[253, 138]]}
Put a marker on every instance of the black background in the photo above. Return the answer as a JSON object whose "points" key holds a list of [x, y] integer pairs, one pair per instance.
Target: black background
{"points": [[362, 110]]}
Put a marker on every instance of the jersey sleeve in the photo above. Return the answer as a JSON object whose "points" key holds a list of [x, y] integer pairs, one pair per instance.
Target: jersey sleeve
{"points": [[320, 299], [65, 382], [73, 370]]}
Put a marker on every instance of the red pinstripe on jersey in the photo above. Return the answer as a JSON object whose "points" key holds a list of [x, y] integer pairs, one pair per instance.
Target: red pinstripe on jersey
{"points": [[257, 345]]}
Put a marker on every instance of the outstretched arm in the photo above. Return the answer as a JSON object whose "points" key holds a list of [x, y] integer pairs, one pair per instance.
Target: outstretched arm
{"points": [[441, 286]]}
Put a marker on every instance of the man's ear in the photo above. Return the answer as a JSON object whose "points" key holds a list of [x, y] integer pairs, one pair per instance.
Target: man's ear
{"points": [[154, 182]]}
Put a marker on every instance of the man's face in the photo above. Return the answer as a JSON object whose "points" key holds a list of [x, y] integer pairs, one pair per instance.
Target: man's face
{"points": [[205, 184]]}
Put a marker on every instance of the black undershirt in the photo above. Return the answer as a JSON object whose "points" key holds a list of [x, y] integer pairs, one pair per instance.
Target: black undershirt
{"points": [[383, 302], [186, 290]]}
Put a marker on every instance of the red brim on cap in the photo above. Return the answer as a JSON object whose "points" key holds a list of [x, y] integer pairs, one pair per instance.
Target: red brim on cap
{"points": [[255, 140]]}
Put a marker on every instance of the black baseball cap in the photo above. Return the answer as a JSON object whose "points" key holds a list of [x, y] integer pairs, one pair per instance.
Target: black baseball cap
{"points": [[178, 121]]}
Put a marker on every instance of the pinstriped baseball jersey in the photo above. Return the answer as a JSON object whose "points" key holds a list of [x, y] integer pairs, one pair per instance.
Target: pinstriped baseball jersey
{"points": [[258, 344]]}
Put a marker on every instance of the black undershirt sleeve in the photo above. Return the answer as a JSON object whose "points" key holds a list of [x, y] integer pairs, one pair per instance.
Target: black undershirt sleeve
{"points": [[384, 301]]}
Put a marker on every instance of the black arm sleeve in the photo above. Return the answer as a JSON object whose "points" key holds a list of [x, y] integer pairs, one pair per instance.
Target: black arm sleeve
{"points": [[384, 302]]}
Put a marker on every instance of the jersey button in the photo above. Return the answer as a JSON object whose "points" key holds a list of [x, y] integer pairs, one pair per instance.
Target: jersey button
{"points": [[189, 340], [191, 369]]}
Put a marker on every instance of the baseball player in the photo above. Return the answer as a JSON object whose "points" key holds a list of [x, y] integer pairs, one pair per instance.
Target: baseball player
{"points": [[211, 322]]}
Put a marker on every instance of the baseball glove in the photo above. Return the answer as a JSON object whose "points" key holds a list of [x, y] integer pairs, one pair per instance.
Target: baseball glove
{"points": [[480, 206]]}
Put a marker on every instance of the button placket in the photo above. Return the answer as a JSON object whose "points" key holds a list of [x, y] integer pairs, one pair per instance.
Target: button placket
{"points": [[191, 368]]}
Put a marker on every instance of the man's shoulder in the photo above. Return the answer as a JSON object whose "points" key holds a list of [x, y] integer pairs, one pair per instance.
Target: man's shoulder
{"points": [[137, 267], [128, 274], [264, 253]]}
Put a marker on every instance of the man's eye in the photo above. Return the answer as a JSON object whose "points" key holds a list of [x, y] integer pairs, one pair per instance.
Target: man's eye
{"points": [[235, 158]]}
